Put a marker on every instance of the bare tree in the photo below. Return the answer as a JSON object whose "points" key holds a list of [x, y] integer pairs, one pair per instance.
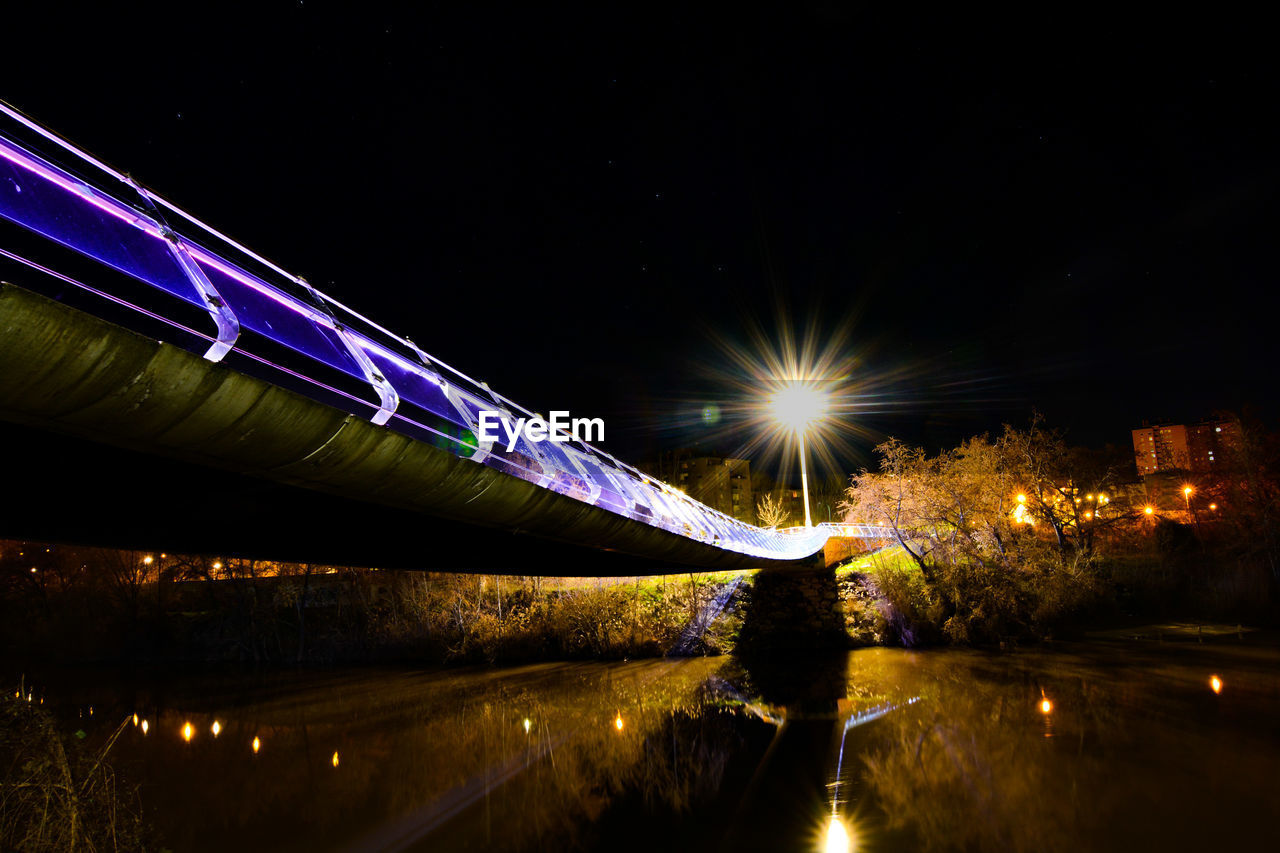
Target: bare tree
{"points": [[771, 513]]}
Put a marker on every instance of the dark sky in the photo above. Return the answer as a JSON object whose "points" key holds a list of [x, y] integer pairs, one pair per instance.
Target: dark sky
{"points": [[1074, 215]]}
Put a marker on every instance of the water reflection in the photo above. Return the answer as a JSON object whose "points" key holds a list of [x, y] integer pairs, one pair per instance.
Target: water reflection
{"points": [[837, 837], [876, 750]]}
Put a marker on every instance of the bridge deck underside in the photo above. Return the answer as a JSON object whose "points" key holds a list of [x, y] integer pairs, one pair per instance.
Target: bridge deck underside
{"points": [[118, 439]]}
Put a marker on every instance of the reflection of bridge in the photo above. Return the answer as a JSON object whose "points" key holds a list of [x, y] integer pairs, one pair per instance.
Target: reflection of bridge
{"points": [[121, 293]]}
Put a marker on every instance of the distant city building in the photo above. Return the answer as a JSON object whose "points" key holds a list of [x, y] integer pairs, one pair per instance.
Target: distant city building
{"points": [[720, 482], [1183, 447]]}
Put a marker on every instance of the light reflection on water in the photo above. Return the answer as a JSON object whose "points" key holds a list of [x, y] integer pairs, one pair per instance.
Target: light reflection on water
{"points": [[1091, 747]]}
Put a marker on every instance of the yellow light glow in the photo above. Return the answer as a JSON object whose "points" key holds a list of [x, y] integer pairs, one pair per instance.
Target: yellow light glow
{"points": [[146, 561], [335, 758], [257, 745], [1088, 515], [217, 565], [837, 839], [1213, 506], [798, 405], [1046, 707], [135, 719], [216, 728], [1022, 499], [618, 723], [1215, 684], [1148, 510], [1187, 490], [527, 725], [145, 727], [188, 732]]}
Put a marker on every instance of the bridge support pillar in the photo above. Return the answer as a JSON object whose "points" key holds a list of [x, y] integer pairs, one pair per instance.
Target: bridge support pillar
{"points": [[793, 610]]}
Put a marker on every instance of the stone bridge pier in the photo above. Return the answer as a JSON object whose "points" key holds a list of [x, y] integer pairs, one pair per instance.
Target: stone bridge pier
{"points": [[793, 610], [798, 609]]}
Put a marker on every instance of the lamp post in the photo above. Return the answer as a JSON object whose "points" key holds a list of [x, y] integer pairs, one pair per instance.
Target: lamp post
{"points": [[1186, 496], [798, 406]]}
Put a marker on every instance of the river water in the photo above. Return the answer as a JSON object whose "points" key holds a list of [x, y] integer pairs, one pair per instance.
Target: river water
{"points": [[1110, 745]]}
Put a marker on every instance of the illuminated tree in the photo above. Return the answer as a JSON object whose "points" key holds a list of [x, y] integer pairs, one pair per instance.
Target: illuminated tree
{"points": [[771, 513]]}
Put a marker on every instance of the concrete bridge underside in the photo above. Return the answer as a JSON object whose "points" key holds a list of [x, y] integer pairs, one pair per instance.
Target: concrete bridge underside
{"points": [[115, 439]]}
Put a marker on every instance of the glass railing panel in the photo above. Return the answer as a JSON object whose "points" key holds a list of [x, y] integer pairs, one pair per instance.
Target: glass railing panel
{"points": [[37, 197], [279, 318]]}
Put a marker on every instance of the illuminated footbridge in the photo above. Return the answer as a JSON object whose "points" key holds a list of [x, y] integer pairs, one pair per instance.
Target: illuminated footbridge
{"points": [[126, 323]]}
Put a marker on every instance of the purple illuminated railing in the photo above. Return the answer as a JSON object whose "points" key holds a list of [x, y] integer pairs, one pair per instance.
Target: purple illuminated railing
{"points": [[74, 200]]}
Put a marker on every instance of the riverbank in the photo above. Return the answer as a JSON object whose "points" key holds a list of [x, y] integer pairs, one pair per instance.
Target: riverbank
{"points": [[361, 616], [123, 607]]}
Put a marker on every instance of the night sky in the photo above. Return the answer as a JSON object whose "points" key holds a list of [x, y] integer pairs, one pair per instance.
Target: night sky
{"points": [[1070, 215]]}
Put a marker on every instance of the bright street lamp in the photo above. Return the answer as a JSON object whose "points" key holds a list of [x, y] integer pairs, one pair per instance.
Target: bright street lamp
{"points": [[798, 406]]}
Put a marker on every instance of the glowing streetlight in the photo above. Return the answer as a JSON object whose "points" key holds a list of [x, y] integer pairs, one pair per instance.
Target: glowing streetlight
{"points": [[799, 406], [1022, 499], [1046, 707], [216, 728], [257, 745], [527, 725], [1148, 510], [145, 726], [1215, 684], [335, 758], [1186, 496], [188, 732], [617, 723]]}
